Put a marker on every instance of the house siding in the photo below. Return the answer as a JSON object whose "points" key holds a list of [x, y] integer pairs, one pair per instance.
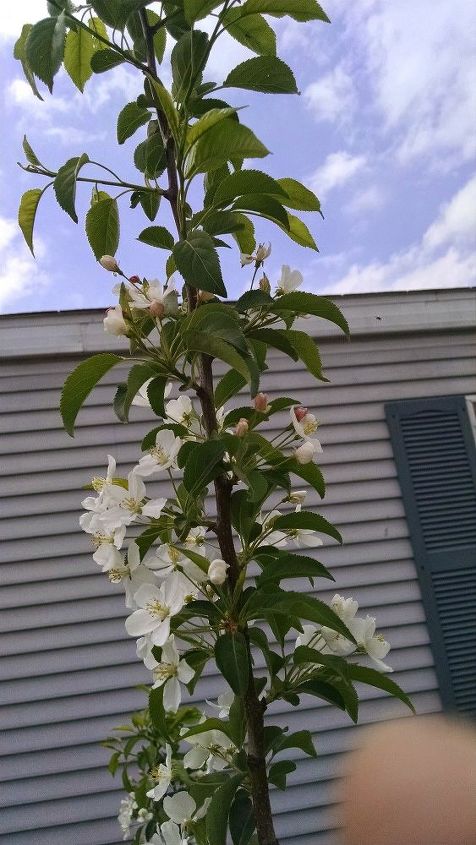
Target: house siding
{"points": [[68, 668]]}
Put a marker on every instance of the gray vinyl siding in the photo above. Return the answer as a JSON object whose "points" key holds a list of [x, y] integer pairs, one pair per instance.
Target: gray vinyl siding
{"points": [[69, 669]]}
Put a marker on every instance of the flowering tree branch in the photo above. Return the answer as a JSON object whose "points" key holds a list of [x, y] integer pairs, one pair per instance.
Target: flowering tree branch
{"points": [[189, 575]]}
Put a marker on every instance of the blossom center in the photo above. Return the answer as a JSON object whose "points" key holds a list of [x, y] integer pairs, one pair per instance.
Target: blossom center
{"points": [[164, 671], [159, 454], [98, 539], [160, 773], [309, 426], [117, 575], [158, 610], [132, 505]]}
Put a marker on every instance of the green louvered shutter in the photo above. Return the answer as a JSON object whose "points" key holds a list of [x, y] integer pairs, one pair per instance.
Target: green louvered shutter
{"points": [[435, 454]]}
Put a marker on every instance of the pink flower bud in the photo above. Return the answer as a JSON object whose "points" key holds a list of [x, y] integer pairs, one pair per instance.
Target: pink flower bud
{"points": [[300, 412], [134, 280], [109, 263], [242, 427], [157, 309], [261, 401], [217, 571]]}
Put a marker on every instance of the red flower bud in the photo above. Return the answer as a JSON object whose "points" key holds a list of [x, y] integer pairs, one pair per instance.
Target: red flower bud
{"points": [[134, 280], [261, 401]]}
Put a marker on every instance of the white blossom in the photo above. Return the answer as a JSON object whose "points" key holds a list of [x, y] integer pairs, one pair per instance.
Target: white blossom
{"points": [[224, 702], [126, 810], [274, 538], [289, 281], [125, 506], [156, 606], [181, 411], [367, 640], [169, 673], [168, 559], [210, 747], [141, 398], [304, 424], [162, 775], [304, 454], [114, 322], [154, 292], [161, 456], [217, 571], [170, 835], [109, 263]]}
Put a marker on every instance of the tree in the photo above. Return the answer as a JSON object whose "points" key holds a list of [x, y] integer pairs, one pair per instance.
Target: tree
{"points": [[190, 573]]}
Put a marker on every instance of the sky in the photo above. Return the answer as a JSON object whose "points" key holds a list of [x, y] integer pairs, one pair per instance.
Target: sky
{"points": [[384, 131]]}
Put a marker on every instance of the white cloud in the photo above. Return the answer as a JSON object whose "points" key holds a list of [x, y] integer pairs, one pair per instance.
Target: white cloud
{"points": [[20, 276], [444, 258], [333, 97], [368, 199], [419, 61], [28, 11], [457, 219], [338, 169]]}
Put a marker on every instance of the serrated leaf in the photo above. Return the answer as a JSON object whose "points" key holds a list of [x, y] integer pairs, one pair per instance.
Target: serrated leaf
{"points": [[300, 10], [300, 739], [187, 59], [79, 384], [201, 466], [294, 566], [376, 679], [194, 10], [115, 13], [299, 233], [167, 105], [231, 657], [279, 771], [245, 237], [80, 47], [310, 303], [131, 117], [197, 261], [157, 236], [265, 206], [308, 472], [27, 213], [30, 155], [298, 196], [45, 48], [307, 521], [252, 31], [278, 338], [217, 348], [19, 52], [244, 182], [307, 350], [105, 59], [102, 227], [263, 73], [206, 122], [64, 185], [219, 809], [231, 383], [138, 375], [242, 819], [224, 142]]}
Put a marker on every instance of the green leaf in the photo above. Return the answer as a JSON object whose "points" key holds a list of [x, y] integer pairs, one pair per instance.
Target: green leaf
{"points": [[300, 198], [116, 12], [27, 213], [278, 338], [231, 656], [294, 566], [252, 31], [220, 321], [245, 237], [323, 690], [307, 520], [308, 352], [194, 10], [79, 384], [45, 48], [203, 465], [300, 739], [130, 118], [206, 122], [102, 227], [244, 182], [224, 142], [187, 59], [31, 156], [263, 73], [231, 384], [55, 7], [157, 711], [300, 10], [376, 679], [155, 395], [211, 724], [222, 222], [309, 472], [157, 236], [65, 184], [279, 771], [253, 299], [79, 49], [264, 206], [138, 375], [150, 202], [167, 105], [197, 261], [105, 59], [310, 303], [242, 819], [19, 53], [299, 233], [219, 809], [218, 348]]}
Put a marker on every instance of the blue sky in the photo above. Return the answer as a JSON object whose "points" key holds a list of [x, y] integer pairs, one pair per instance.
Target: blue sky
{"points": [[384, 131]]}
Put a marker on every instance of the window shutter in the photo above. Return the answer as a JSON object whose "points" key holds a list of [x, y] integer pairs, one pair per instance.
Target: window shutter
{"points": [[435, 454]]}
